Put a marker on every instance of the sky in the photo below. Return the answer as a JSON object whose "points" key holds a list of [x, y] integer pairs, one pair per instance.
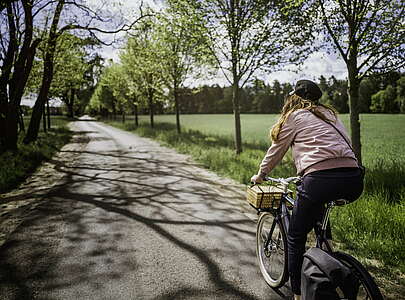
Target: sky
{"points": [[317, 64]]}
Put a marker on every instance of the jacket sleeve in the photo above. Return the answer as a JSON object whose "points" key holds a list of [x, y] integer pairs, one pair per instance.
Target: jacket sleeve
{"points": [[278, 149]]}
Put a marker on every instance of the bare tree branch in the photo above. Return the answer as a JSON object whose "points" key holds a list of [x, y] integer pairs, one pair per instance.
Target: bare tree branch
{"points": [[331, 32], [123, 28]]}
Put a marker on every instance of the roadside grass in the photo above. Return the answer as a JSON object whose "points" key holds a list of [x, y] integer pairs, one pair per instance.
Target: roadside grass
{"points": [[16, 166], [372, 228], [215, 152]]}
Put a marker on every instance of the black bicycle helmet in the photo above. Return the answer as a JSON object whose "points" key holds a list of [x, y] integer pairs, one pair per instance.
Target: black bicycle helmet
{"points": [[308, 90]]}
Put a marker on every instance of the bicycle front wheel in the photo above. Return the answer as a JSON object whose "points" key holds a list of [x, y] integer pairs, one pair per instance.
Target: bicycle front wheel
{"points": [[271, 250], [368, 289]]}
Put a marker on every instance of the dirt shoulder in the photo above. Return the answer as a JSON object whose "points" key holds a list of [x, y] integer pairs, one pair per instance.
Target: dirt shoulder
{"points": [[16, 205]]}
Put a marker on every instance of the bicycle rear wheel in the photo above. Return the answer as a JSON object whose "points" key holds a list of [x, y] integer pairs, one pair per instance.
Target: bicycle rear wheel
{"points": [[271, 250], [368, 289]]}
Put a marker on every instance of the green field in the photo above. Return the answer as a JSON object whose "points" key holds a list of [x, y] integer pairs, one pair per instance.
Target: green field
{"points": [[372, 228], [254, 127], [383, 143], [383, 136]]}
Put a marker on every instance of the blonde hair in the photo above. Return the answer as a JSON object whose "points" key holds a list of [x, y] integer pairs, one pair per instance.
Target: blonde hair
{"points": [[295, 102]]}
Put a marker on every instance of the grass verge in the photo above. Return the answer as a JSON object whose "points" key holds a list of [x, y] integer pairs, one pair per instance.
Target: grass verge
{"points": [[16, 166], [372, 228]]}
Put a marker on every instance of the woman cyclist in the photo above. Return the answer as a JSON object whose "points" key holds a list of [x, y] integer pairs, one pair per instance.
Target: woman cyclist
{"points": [[323, 158]]}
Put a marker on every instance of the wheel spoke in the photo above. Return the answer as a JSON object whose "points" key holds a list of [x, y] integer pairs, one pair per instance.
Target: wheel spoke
{"points": [[270, 250]]}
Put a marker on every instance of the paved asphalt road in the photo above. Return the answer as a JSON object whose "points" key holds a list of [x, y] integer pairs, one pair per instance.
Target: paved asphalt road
{"points": [[134, 220]]}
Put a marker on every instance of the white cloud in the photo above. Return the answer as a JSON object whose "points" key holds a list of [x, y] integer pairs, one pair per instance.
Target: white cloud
{"points": [[317, 64]]}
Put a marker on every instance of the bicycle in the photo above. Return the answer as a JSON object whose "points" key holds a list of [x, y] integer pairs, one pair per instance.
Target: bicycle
{"points": [[272, 249]]}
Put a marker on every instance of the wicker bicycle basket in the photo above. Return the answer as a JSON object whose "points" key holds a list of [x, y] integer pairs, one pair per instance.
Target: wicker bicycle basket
{"points": [[264, 196]]}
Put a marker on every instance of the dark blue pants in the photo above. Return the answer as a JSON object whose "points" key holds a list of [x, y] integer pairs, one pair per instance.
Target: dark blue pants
{"points": [[316, 189]]}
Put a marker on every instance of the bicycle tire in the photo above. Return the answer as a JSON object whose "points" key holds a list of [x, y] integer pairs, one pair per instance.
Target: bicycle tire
{"points": [[368, 289], [273, 260]]}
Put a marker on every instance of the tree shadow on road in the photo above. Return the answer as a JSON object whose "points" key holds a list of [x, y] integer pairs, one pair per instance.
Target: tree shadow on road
{"points": [[101, 202]]}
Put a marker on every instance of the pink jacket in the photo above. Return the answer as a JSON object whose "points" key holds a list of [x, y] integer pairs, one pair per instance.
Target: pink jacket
{"points": [[315, 144]]}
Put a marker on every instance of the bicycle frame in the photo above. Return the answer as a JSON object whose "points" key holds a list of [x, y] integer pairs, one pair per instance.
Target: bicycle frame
{"points": [[320, 229], [271, 241], [282, 212], [285, 214]]}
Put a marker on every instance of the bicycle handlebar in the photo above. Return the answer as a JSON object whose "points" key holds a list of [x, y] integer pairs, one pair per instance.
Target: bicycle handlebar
{"points": [[283, 181]]}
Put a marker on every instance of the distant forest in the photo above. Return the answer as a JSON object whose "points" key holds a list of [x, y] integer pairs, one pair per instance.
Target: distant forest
{"points": [[378, 94]]}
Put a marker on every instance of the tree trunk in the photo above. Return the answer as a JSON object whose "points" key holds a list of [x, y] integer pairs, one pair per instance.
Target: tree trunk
{"points": [[32, 133], [136, 115], [176, 106], [236, 109], [151, 111], [235, 76], [21, 119], [8, 58], [14, 74], [33, 128], [11, 128], [123, 116], [236, 112], [70, 103], [19, 79], [114, 110], [353, 91], [44, 117], [48, 113], [3, 114]]}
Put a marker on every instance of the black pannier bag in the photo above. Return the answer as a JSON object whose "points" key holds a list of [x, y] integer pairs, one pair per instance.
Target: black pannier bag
{"points": [[323, 277]]}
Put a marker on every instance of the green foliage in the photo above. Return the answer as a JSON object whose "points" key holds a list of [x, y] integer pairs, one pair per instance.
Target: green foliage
{"points": [[74, 70], [335, 93], [142, 64], [158, 56], [69, 64], [247, 36], [103, 99], [16, 166], [384, 101], [183, 48], [259, 97], [400, 100], [115, 78], [182, 42], [367, 88]]}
